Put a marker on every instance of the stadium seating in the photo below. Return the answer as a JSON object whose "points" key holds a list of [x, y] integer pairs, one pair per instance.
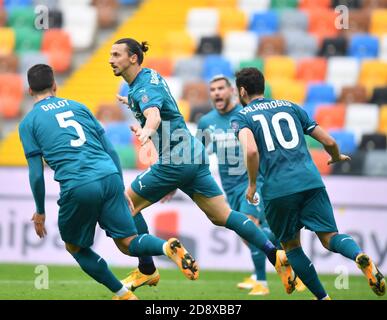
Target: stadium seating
{"points": [[231, 19], [363, 46], [320, 158], [373, 141], [280, 67], [202, 22], [9, 63], [271, 46], [342, 71], [358, 22], [345, 140], [239, 46], [210, 45], [322, 22], [333, 46], [189, 69], [382, 127], [57, 46], [361, 119], [250, 6], [80, 21], [196, 93], [320, 93], [353, 94], [339, 76], [293, 20], [11, 94], [264, 23], [119, 133], [312, 69], [300, 44], [354, 167], [330, 117], [3, 17], [375, 163], [291, 90], [351, 4], [7, 40], [215, 64]]}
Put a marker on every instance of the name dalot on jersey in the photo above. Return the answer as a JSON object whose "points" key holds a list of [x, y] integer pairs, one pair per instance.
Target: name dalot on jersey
{"points": [[55, 105]]}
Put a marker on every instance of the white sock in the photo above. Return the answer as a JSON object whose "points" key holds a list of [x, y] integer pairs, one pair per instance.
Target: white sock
{"points": [[254, 277], [121, 292], [262, 282]]}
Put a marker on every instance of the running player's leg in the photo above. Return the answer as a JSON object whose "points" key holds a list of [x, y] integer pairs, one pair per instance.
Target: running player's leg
{"points": [[342, 243], [116, 220], [284, 215], [97, 268], [78, 215], [218, 211], [142, 194], [149, 187], [303, 267], [146, 264], [256, 282]]}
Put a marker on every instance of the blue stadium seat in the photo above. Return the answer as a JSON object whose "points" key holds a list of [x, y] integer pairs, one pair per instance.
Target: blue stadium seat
{"points": [[310, 108], [264, 22], [216, 64], [16, 3], [119, 133], [124, 89], [363, 46], [320, 93], [126, 2], [345, 140]]}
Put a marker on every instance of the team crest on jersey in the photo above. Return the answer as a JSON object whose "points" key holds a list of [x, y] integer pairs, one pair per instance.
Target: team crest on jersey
{"points": [[144, 98]]}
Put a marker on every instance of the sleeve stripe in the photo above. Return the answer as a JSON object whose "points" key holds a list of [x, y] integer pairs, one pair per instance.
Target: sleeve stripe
{"points": [[33, 153], [150, 106], [311, 127]]}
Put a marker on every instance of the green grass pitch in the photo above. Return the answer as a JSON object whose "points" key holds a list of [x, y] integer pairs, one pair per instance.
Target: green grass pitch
{"points": [[70, 283]]}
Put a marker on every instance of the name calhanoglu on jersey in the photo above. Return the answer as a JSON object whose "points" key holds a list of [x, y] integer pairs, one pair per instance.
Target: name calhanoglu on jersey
{"points": [[55, 105], [266, 106]]}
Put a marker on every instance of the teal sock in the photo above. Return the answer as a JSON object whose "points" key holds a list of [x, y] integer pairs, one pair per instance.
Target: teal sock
{"points": [[248, 231], [305, 270], [345, 245], [146, 245], [145, 264], [259, 260], [97, 268], [270, 235]]}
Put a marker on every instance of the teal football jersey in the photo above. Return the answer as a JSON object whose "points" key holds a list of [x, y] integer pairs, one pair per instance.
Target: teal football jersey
{"points": [[285, 162], [222, 141], [173, 141], [66, 135]]}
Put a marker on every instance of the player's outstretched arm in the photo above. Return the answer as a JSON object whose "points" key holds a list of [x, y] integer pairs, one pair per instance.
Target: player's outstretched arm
{"points": [[329, 144]]}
